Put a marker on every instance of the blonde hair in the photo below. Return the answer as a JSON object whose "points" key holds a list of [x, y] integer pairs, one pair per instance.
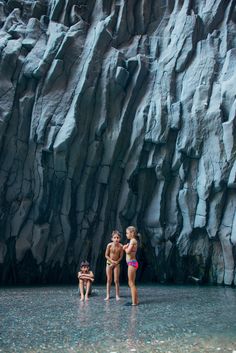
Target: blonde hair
{"points": [[134, 231]]}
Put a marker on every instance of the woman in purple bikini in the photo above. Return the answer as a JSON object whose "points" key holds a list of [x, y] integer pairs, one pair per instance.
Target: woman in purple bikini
{"points": [[131, 249]]}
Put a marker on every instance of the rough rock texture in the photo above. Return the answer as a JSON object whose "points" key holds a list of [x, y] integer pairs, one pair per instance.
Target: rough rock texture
{"points": [[113, 113]]}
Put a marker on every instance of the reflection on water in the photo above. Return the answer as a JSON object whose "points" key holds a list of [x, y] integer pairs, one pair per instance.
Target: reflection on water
{"points": [[168, 319]]}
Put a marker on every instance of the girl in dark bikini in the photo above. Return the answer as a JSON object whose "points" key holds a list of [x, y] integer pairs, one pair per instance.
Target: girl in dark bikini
{"points": [[131, 249]]}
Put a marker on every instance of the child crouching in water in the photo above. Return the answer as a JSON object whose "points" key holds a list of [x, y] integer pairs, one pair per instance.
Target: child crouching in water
{"points": [[86, 278], [113, 254]]}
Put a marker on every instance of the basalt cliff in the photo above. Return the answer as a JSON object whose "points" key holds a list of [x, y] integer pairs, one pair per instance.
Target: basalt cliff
{"points": [[117, 113]]}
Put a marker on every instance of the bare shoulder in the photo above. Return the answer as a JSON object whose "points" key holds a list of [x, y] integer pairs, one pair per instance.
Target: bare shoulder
{"points": [[133, 241], [91, 273], [108, 246], [121, 246]]}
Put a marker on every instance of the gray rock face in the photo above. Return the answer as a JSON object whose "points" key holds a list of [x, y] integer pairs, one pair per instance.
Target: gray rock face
{"points": [[115, 113]]}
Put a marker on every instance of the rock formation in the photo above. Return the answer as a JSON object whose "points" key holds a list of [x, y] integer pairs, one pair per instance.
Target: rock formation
{"points": [[117, 113]]}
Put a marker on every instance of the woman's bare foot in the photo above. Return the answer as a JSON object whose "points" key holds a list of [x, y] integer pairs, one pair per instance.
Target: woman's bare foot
{"points": [[81, 299], [107, 298], [117, 297]]}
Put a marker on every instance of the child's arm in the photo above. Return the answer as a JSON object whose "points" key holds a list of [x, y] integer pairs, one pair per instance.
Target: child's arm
{"points": [[128, 249], [121, 255], [125, 246], [81, 275], [107, 254], [91, 275], [88, 276]]}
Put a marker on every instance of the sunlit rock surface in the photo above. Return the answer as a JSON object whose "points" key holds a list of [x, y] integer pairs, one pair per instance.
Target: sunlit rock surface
{"points": [[115, 113]]}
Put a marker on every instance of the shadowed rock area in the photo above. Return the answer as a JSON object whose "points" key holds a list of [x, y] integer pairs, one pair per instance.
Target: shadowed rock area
{"points": [[115, 113]]}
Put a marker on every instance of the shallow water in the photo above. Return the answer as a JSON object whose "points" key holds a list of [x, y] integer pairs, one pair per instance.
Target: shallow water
{"points": [[168, 319]]}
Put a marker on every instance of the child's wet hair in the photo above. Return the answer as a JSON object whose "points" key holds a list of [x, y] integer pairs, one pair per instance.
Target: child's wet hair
{"points": [[84, 264], [115, 232]]}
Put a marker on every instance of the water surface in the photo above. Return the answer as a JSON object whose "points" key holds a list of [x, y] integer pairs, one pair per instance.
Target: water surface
{"points": [[169, 319]]}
